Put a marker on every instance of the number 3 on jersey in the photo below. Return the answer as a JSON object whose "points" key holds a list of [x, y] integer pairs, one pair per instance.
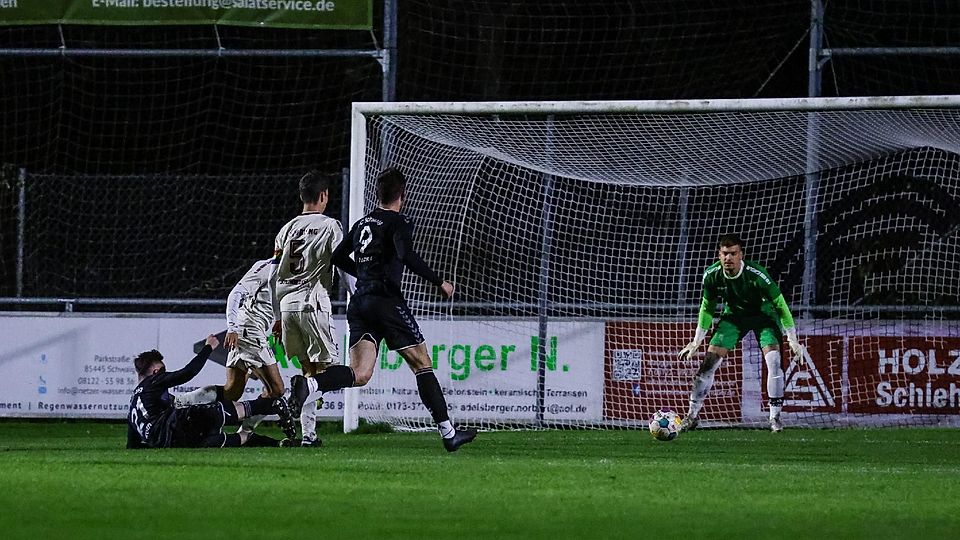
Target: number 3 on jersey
{"points": [[366, 236]]}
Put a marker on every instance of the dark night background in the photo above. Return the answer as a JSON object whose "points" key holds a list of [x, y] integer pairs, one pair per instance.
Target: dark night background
{"points": [[166, 177]]}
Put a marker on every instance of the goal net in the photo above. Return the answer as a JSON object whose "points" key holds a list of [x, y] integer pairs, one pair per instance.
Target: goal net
{"points": [[577, 234]]}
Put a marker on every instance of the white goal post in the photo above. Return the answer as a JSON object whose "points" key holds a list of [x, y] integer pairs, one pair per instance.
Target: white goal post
{"points": [[577, 233]]}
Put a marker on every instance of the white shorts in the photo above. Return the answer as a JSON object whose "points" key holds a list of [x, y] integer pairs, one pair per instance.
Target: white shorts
{"points": [[309, 336], [250, 353]]}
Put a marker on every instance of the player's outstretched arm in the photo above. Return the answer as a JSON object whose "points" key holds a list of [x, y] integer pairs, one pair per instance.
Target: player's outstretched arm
{"points": [[403, 242], [704, 320], [189, 371], [272, 287], [234, 300], [789, 327], [690, 349]]}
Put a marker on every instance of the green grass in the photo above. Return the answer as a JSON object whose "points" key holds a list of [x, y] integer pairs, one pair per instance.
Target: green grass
{"points": [[74, 480]]}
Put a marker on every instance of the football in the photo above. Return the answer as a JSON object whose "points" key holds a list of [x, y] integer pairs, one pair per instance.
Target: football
{"points": [[665, 425]]}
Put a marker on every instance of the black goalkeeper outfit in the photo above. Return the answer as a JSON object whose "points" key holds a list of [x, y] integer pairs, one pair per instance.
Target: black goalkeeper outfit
{"points": [[152, 421], [382, 244]]}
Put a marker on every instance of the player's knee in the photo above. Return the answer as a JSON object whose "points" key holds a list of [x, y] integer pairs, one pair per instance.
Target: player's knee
{"points": [[710, 363], [773, 362], [361, 376]]}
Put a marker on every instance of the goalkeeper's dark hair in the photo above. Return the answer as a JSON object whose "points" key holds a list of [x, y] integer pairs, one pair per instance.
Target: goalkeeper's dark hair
{"points": [[313, 184], [391, 185], [730, 240], [145, 360]]}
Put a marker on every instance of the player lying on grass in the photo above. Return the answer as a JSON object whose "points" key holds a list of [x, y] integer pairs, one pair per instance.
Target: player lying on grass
{"points": [[249, 320], [752, 303], [154, 422], [382, 244]]}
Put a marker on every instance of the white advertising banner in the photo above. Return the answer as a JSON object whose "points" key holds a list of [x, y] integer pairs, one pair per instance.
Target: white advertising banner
{"points": [[489, 371], [82, 367]]}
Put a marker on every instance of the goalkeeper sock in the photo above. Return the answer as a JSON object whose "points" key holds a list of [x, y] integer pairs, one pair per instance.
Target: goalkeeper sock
{"points": [[432, 396], [774, 382], [776, 405], [702, 382]]}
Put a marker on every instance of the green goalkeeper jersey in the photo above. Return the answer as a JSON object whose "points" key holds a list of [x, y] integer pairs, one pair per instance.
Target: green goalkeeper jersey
{"points": [[752, 292]]}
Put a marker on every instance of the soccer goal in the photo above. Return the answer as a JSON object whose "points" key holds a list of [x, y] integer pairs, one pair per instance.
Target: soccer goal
{"points": [[577, 234]]}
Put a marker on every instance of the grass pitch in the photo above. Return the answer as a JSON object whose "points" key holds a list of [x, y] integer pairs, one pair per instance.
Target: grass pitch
{"points": [[75, 480]]}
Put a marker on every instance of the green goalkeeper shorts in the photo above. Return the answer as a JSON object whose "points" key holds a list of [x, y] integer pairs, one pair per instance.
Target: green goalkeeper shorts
{"points": [[732, 328]]}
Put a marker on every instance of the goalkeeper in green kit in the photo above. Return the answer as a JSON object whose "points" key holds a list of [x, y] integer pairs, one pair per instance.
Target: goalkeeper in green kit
{"points": [[753, 303]]}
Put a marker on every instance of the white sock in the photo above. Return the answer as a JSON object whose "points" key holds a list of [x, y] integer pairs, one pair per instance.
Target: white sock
{"points": [[313, 385], [702, 382], [308, 420], [774, 380], [446, 429], [205, 394]]}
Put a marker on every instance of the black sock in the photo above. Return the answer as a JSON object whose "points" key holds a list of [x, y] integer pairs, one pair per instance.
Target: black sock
{"points": [[261, 405], [221, 440], [230, 413], [231, 440], [335, 378], [219, 390], [258, 440], [431, 395]]}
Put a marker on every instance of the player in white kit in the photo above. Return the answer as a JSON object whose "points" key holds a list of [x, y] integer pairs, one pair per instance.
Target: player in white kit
{"points": [[250, 316], [304, 275]]}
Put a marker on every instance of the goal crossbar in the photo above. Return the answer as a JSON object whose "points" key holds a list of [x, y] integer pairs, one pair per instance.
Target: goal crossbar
{"points": [[660, 106]]}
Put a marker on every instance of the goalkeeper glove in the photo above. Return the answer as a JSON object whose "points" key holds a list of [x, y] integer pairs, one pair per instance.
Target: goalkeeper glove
{"points": [[691, 348], [798, 350]]}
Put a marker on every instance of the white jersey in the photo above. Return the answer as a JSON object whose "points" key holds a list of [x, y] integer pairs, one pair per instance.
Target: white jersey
{"points": [[250, 307], [304, 246]]}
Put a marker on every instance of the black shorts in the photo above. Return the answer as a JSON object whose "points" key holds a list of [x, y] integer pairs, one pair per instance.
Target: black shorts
{"points": [[196, 425], [374, 317]]}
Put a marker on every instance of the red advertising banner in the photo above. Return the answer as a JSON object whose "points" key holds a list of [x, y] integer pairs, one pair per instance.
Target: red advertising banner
{"points": [[904, 375], [642, 374], [816, 384]]}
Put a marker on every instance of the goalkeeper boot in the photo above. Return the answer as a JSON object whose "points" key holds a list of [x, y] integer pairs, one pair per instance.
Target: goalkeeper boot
{"points": [[299, 393], [286, 419], [689, 423], [776, 425], [460, 438], [290, 443]]}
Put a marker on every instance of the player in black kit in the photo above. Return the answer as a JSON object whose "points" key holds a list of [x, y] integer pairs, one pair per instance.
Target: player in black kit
{"points": [[154, 422], [382, 244]]}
